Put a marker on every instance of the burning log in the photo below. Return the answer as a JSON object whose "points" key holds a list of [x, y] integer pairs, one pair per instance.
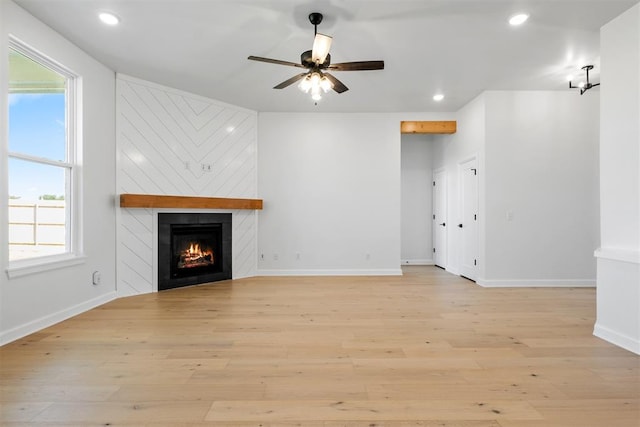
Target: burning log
{"points": [[194, 256]]}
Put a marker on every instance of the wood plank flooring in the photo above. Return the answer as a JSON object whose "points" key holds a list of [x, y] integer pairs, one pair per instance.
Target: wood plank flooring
{"points": [[424, 349]]}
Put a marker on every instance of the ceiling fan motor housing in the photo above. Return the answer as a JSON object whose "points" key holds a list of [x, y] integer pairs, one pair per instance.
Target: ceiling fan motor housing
{"points": [[307, 61]]}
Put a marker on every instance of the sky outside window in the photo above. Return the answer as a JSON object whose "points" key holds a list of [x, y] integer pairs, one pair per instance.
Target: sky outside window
{"points": [[37, 127]]}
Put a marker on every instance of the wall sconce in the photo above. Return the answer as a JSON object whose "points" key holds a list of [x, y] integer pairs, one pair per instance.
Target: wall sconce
{"points": [[584, 86]]}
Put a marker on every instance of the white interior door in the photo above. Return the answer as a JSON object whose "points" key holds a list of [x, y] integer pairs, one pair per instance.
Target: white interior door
{"points": [[440, 218], [469, 219]]}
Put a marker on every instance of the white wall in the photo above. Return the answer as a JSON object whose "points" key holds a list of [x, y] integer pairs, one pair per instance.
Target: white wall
{"points": [[331, 190], [618, 258], [537, 156], [448, 153], [541, 162], [416, 199], [164, 138], [29, 303]]}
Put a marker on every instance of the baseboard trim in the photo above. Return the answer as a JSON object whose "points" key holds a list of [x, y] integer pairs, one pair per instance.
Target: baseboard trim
{"points": [[50, 320], [616, 338], [418, 262], [623, 255], [376, 272], [546, 283], [244, 276]]}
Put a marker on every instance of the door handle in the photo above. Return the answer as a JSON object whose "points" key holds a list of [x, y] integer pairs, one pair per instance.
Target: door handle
{"points": [[443, 224], [460, 225]]}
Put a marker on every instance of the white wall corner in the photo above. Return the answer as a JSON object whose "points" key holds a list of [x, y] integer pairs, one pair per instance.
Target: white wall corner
{"points": [[161, 133], [618, 260], [618, 302]]}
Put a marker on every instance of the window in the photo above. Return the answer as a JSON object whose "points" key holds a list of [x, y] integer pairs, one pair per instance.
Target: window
{"points": [[42, 161]]}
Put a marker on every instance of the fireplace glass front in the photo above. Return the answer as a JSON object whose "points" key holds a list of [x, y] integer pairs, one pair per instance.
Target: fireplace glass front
{"points": [[193, 248]]}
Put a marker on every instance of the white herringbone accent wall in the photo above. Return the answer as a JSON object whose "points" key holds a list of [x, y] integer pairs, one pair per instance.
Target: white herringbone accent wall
{"points": [[175, 143]]}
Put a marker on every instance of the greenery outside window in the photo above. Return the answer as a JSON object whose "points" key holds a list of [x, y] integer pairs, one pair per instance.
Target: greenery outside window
{"points": [[42, 159]]}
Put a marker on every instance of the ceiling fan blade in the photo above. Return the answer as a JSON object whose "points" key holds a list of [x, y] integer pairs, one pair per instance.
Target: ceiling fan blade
{"points": [[338, 86], [357, 66], [274, 61], [290, 81], [321, 46]]}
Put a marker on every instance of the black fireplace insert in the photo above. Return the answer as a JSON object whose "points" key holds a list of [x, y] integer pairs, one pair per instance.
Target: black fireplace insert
{"points": [[193, 248]]}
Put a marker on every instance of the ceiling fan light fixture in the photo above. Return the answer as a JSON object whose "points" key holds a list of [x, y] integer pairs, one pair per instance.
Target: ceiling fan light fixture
{"points": [[305, 84], [326, 84], [315, 80], [315, 83], [584, 86], [316, 94], [321, 46]]}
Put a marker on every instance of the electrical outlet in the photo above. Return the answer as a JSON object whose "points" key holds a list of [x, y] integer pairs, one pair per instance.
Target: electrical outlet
{"points": [[96, 278], [298, 256], [275, 257], [206, 167], [367, 257]]}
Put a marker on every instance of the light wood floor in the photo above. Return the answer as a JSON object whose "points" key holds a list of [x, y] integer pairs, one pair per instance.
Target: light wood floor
{"points": [[425, 349]]}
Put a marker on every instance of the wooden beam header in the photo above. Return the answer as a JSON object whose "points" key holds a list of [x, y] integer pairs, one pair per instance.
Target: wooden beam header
{"points": [[429, 127], [187, 202]]}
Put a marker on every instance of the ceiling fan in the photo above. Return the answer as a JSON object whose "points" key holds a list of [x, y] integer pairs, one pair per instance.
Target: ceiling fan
{"points": [[317, 61]]}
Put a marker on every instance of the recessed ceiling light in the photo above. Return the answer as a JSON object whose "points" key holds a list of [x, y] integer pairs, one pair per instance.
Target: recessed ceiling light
{"points": [[109, 18], [438, 97], [518, 19]]}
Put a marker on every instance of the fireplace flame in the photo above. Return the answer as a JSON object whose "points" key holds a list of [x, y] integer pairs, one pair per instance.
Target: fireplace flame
{"points": [[195, 256], [194, 249]]}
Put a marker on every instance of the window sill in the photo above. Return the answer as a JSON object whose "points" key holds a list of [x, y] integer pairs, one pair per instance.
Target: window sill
{"points": [[40, 265]]}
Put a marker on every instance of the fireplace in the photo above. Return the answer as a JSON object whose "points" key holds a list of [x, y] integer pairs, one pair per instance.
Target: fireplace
{"points": [[193, 248]]}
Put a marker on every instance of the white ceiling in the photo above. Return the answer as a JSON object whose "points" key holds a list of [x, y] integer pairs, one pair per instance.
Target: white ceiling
{"points": [[457, 47]]}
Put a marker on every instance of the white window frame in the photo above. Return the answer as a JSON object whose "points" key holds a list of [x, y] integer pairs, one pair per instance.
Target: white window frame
{"points": [[73, 229]]}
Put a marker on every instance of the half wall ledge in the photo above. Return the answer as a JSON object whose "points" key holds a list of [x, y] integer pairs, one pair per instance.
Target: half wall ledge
{"points": [[187, 202]]}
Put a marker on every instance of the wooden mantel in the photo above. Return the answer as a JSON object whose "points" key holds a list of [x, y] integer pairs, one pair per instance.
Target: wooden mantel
{"points": [[429, 127], [187, 202]]}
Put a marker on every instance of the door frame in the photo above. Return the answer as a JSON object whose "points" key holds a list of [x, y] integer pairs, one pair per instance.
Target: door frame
{"points": [[472, 272], [435, 226]]}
